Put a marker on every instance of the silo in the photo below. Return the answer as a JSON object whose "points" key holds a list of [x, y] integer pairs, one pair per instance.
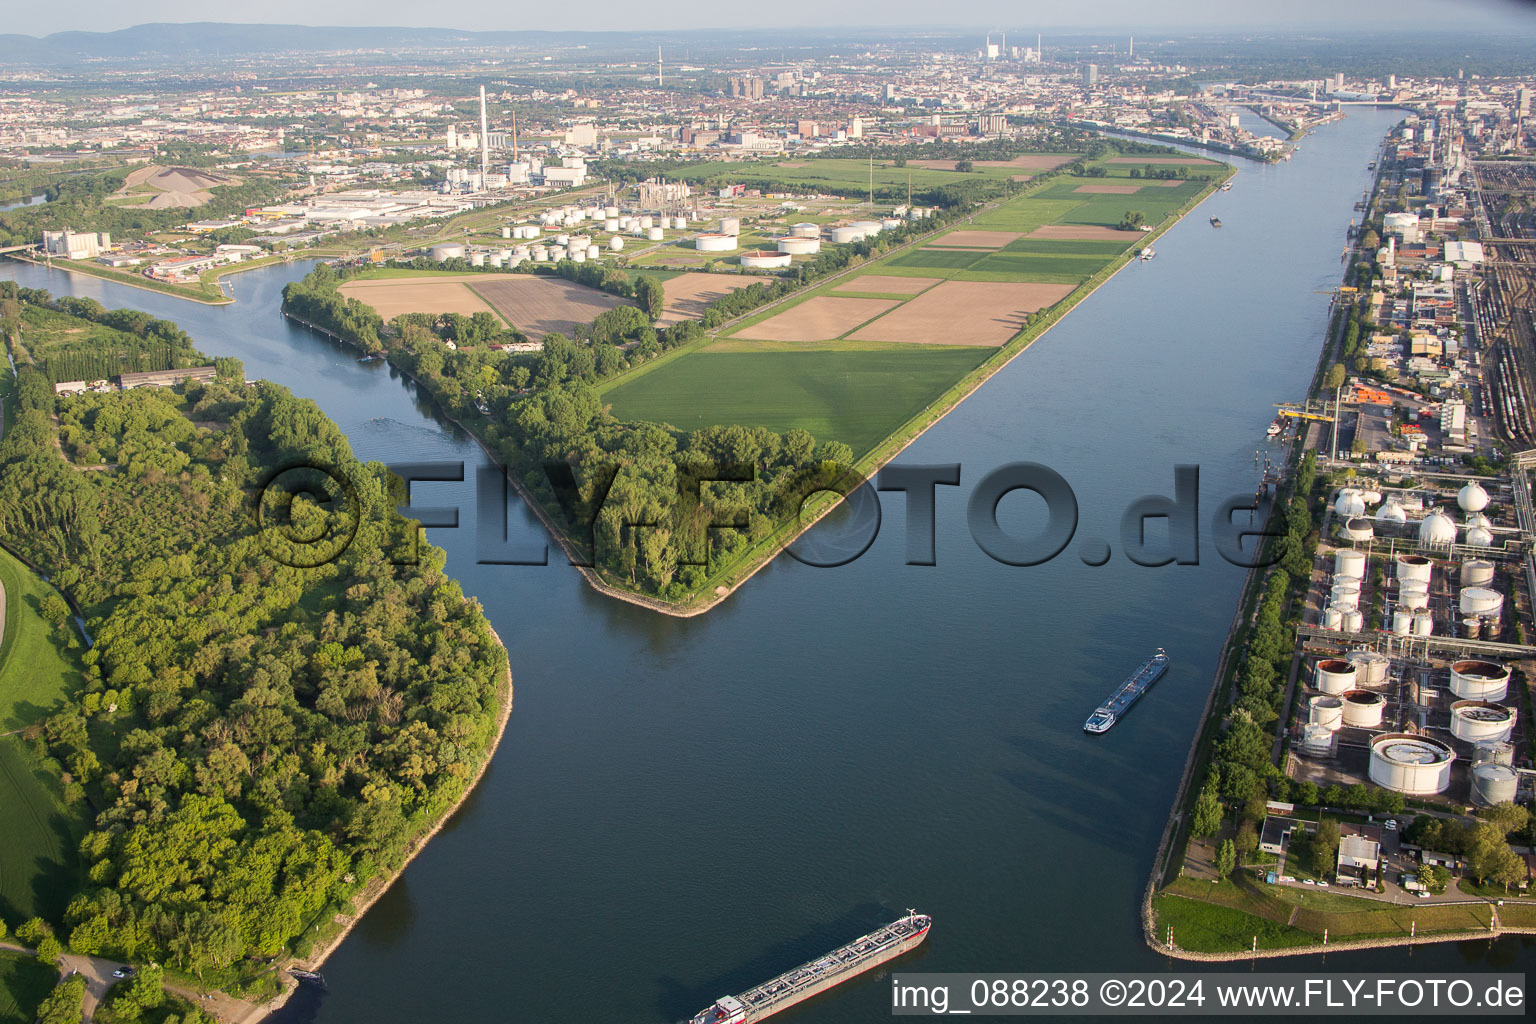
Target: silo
{"points": [[730, 225], [1481, 721], [1402, 621], [1414, 567], [1325, 711], [1349, 563], [1354, 621], [1481, 601], [654, 234], [1494, 784], [1334, 676], [1476, 572], [1479, 680], [616, 243], [1423, 623], [1371, 667], [1333, 618], [1363, 709], [1411, 764]]}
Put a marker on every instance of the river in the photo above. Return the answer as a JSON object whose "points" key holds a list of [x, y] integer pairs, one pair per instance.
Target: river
{"points": [[682, 808]]}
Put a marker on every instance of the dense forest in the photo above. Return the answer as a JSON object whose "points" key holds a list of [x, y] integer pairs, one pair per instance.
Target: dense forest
{"points": [[255, 741]]}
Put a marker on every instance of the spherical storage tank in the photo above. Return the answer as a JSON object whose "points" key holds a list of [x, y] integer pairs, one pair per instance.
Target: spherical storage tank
{"points": [[799, 246], [1391, 513], [616, 243], [804, 230], [763, 259], [1358, 529], [1370, 666], [1479, 537], [1349, 563], [1478, 519], [1472, 497], [714, 243], [1437, 530], [1363, 709], [1481, 721], [1494, 784], [448, 251], [1414, 567], [1327, 712], [1411, 764], [1476, 572], [1334, 676], [1479, 680], [1349, 503], [730, 225]]}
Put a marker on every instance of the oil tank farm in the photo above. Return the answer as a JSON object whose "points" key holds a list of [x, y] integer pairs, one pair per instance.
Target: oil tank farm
{"points": [[1481, 721], [448, 251], [1411, 764], [1325, 711], [1358, 530], [799, 246], [804, 230], [1363, 709], [764, 259], [1493, 783], [1371, 667], [1479, 680], [1334, 676], [716, 242]]}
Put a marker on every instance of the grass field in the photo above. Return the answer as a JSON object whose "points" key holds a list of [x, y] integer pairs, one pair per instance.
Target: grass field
{"points": [[857, 396], [853, 173], [38, 867], [35, 674], [24, 983]]}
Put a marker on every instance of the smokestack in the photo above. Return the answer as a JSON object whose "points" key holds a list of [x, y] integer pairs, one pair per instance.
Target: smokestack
{"points": [[514, 135], [658, 67], [1039, 48], [1131, 53], [485, 143]]}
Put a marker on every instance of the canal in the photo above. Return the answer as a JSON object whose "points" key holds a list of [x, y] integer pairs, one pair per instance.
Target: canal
{"points": [[683, 808]]}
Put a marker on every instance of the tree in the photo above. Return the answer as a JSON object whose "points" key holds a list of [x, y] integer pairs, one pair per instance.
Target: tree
{"points": [[1325, 847], [1226, 858], [49, 950], [1435, 878], [1207, 815], [1489, 858], [651, 296], [965, 166], [65, 1004], [33, 931], [1335, 376], [1247, 842]]}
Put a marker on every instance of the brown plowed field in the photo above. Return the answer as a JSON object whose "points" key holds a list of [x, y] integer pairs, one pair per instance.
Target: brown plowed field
{"points": [[539, 305], [1084, 233], [392, 296], [820, 319], [976, 239], [982, 313], [688, 294], [887, 285]]}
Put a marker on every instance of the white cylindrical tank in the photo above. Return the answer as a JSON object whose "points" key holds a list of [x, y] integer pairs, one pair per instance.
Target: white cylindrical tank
{"points": [[1414, 567], [506, 231], [1437, 530], [1476, 572], [611, 224], [626, 222], [1494, 784], [448, 251], [799, 246], [1480, 601], [1354, 621], [1333, 675], [714, 242], [1402, 621], [1333, 618], [1346, 587], [1358, 529], [1472, 497], [616, 243], [1471, 627], [730, 225], [540, 254], [764, 259], [1423, 622], [647, 222], [804, 230], [593, 252], [610, 211], [557, 253], [1326, 711], [1410, 764], [1349, 563], [497, 260], [1479, 680], [654, 234], [1349, 504], [578, 255], [887, 223], [477, 259], [1345, 602], [1391, 513], [563, 239], [1496, 753], [1363, 709], [1481, 721], [1370, 666], [1413, 600], [680, 223], [516, 259], [1479, 537], [870, 227], [844, 235]]}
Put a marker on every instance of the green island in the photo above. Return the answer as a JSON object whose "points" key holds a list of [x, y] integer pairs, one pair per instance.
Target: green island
{"points": [[247, 750], [676, 449]]}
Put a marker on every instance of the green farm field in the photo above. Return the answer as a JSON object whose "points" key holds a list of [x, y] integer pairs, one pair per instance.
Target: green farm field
{"points": [[846, 173], [35, 674], [24, 983], [854, 395], [38, 857]]}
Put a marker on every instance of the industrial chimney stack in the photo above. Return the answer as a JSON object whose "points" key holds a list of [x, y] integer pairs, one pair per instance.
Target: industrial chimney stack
{"points": [[485, 142]]}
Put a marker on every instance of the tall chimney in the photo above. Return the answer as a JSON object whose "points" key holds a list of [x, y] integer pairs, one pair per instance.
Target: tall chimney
{"points": [[485, 142]]}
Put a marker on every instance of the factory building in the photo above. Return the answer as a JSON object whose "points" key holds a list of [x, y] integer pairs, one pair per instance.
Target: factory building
{"points": [[76, 245]]}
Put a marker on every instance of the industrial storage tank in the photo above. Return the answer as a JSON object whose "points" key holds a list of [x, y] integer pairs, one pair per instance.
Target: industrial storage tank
{"points": [[1402, 621], [1392, 513], [805, 230], [578, 255], [1472, 497], [1358, 529], [616, 243], [496, 259], [1497, 753], [610, 211], [1479, 680], [1353, 622], [557, 253], [680, 223], [1423, 623], [1476, 572], [563, 238], [799, 246], [1413, 600], [1333, 675], [654, 234], [593, 252], [1327, 712], [1333, 618], [540, 254], [1349, 563], [1481, 601], [1481, 721], [844, 235], [1371, 666], [1479, 537], [1363, 709], [448, 251], [477, 259], [611, 224], [647, 222], [888, 223], [764, 259], [869, 227], [1437, 530], [1478, 519], [1410, 764], [506, 231], [1494, 784], [714, 243], [1414, 567], [1349, 504], [1471, 627], [730, 225]]}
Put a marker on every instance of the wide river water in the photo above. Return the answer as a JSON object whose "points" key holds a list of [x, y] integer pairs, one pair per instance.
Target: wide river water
{"points": [[683, 808]]}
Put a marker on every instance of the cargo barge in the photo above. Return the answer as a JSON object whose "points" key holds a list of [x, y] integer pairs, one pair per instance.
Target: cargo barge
{"points": [[882, 944], [1129, 693]]}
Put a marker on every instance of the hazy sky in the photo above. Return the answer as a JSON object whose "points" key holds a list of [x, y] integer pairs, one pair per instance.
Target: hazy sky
{"points": [[33, 18]]}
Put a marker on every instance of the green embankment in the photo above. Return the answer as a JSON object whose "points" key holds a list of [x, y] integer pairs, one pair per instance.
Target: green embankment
{"points": [[35, 674], [24, 984], [38, 867]]}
